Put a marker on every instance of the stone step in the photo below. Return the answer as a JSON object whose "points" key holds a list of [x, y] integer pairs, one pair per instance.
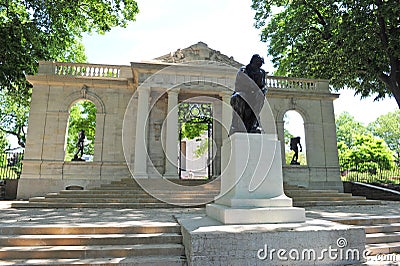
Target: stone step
{"points": [[334, 203], [376, 238], [382, 232], [132, 192], [383, 248], [91, 205], [195, 182], [89, 239], [150, 228], [126, 193], [103, 261], [186, 189], [121, 200], [333, 199], [184, 185], [126, 196], [128, 186], [66, 252], [147, 243], [382, 228], [97, 195], [312, 193], [369, 220]]}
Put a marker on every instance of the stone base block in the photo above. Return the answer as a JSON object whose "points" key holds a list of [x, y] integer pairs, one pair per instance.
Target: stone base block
{"points": [[280, 201], [252, 215], [37, 187], [315, 242]]}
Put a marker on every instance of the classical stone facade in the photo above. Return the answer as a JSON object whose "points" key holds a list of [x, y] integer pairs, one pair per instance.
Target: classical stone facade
{"points": [[137, 119]]}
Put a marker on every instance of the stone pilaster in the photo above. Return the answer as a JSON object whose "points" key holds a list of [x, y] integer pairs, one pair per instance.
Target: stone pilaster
{"points": [[140, 164], [171, 143], [226, 113]]}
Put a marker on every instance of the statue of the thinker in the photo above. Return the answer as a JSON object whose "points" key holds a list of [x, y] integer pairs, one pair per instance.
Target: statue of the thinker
{"points": [[248, 98]]}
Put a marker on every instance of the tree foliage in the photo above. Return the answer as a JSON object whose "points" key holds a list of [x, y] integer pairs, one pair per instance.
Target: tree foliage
{"points": [[355, 44], [33, 30], [387, 127], [368, 153], [14, 108], [347, 128], [192, 130], [358, 148], [82, 117], [202, 148], [3, 142]]}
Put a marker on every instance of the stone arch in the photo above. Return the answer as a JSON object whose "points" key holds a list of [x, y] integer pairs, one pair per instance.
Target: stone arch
{"points": [[298, 131], [304, 114], [82, 95], [85, 94], [280, 113]]}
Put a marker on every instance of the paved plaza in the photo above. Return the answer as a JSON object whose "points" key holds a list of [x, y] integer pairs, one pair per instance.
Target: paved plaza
{"points": [[84, 216], [131, 217]]}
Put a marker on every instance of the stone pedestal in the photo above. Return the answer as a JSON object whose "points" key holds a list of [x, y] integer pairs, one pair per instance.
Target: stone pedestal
{"points": [[314, 242], [252, 183]]}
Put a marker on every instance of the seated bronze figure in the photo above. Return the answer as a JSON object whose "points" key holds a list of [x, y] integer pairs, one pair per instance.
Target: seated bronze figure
{"points": [[248, 98]]}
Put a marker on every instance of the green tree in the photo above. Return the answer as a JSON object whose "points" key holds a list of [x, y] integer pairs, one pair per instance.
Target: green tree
{"points": [[387, 127], [347, 128], [192, 130], [33, 30], [14, 108], [355, 44], [201, 149], [367, 153], [4, 144], [82, 117]]}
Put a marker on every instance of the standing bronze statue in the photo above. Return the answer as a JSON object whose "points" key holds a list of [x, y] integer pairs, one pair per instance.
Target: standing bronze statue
{"points": [[248, 98], [294, 146], [80, 145]]}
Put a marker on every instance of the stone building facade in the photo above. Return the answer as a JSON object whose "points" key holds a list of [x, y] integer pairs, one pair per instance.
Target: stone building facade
{"points": [[137, 120]]}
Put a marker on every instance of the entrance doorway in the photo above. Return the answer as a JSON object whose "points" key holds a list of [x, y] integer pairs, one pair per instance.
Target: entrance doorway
{"points": [[195, 138]]}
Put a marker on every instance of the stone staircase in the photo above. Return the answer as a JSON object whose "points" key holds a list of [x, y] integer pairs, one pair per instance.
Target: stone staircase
{"points": [[126, 193], [382, 232], [159, 244], [304, 197]]}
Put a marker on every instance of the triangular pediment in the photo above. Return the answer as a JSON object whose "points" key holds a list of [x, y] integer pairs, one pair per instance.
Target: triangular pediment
{"points": [[198, 51]]}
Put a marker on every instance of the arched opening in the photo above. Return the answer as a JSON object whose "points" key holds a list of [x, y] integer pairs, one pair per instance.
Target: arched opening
{"points": [[195, 138], [81, 131], [295, 141]]}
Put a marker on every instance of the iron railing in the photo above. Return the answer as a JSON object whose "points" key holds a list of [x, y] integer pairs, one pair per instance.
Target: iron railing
{"points": [[11, 165], [370, 172]]}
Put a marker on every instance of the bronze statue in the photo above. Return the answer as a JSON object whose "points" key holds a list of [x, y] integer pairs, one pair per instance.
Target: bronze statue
{"points": [[248, 98], [80, 145], [294, 146]]}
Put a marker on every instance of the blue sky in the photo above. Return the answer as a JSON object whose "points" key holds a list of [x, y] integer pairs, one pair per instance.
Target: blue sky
{"points": [[225, 25]]}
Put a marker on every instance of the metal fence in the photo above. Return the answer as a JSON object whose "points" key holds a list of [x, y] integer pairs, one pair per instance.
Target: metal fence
{"points": [[11, 165], [370, 172]]}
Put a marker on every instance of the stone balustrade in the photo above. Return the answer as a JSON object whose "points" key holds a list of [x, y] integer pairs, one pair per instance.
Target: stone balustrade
{"points": [[115, 71], [285, 83], [87, 70], [81, 70]]}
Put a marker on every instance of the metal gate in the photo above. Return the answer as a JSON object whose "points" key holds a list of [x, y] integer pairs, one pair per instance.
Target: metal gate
{"points": [[195, 118]]}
